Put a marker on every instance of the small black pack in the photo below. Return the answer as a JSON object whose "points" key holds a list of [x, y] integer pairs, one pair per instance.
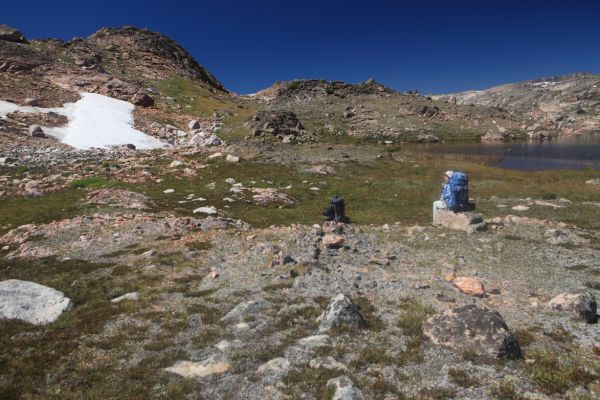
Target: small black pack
{"points": [[336, 210]]}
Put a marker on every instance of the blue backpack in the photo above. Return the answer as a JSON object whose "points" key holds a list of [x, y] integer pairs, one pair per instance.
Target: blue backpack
{"points": [[459, 192]]}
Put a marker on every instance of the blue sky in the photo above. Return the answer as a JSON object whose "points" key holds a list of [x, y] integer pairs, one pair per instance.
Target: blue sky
{"points": [[434, 47]]}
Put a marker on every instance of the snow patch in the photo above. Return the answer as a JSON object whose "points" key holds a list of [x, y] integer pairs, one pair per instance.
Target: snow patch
{"points": [[94, 121]]}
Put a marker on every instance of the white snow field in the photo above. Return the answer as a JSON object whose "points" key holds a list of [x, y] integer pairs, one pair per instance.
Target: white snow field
{"points": [[94, 121]]}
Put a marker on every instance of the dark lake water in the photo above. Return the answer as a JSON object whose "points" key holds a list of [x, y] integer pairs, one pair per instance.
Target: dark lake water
{"points": [[574, 152]]}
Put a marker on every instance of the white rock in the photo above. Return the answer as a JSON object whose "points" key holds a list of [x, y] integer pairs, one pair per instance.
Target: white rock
{"points": [[176, 163], [31, 302], [210, 210], [167, 191], [276, 365], [232, 159], [314, 341], [230, 181], [215, 155], [210, 366], [194, 124], [327, 362], [344, 389], [520, 207], [128, 296]]}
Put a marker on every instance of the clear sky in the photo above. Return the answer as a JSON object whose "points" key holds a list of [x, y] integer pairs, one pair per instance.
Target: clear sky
{"points": [[431, 46]]}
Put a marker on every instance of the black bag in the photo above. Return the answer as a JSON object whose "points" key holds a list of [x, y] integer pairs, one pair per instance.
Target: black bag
{"points": [[336, 210]]}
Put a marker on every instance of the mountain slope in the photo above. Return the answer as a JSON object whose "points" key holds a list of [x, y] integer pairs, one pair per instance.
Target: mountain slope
{"points": [[369, 109], [569, 103]]}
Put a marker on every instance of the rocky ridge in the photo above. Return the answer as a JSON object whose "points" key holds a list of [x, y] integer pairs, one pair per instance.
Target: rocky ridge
{"points": [[569, 104]]}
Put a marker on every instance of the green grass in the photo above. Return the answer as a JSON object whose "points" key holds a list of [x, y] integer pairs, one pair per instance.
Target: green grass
{"points": [[376, 192], [30, 354], [92, 183]]}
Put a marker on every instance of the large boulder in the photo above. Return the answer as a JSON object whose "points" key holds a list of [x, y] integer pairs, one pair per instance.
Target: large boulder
{"points": [[31, 302], [283, 125], [469, 222], [579, 302], [11, 35], [475, 329], [341, 312]]}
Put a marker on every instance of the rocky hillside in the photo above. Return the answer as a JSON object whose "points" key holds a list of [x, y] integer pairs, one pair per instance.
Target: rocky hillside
{"points": [[119, 62], [569, 103], [369, 109]]}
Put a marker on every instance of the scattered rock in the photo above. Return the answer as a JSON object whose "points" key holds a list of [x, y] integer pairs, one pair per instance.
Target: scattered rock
{"points": [[194, 124], [232, 159], [119, 198], [244, 309], [520, 207], [469, 222], [167, 191], [341, 312], [469, 285], [264, 196], [344, 389], [190, 369], [333, 241], [150, 253], [31, 302], [210, 210], [327, 362], [475, 329], [321, 170], [128, 296], [314, 341], [205, 139], [579, 302], [274, 366], [595, 182], [176, 163]]}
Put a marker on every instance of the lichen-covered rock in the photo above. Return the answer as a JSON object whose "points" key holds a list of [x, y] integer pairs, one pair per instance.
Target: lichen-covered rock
{"points": [[283, 125], [475, 329], [341, 312], [469, 222], [579, 302], [217, 364], [31, 302], [344, 389]]}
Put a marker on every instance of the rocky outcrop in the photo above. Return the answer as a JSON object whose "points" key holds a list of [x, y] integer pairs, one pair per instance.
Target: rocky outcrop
{"points": [[567, 104], [11, 35], [475, 329], [283, 125], [31, 302], [341, 312], [580, 303], [146, 54]]}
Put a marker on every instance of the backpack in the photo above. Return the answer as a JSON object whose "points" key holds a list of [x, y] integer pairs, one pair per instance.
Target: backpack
{"points": [[459, 192], [336, 210]]}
